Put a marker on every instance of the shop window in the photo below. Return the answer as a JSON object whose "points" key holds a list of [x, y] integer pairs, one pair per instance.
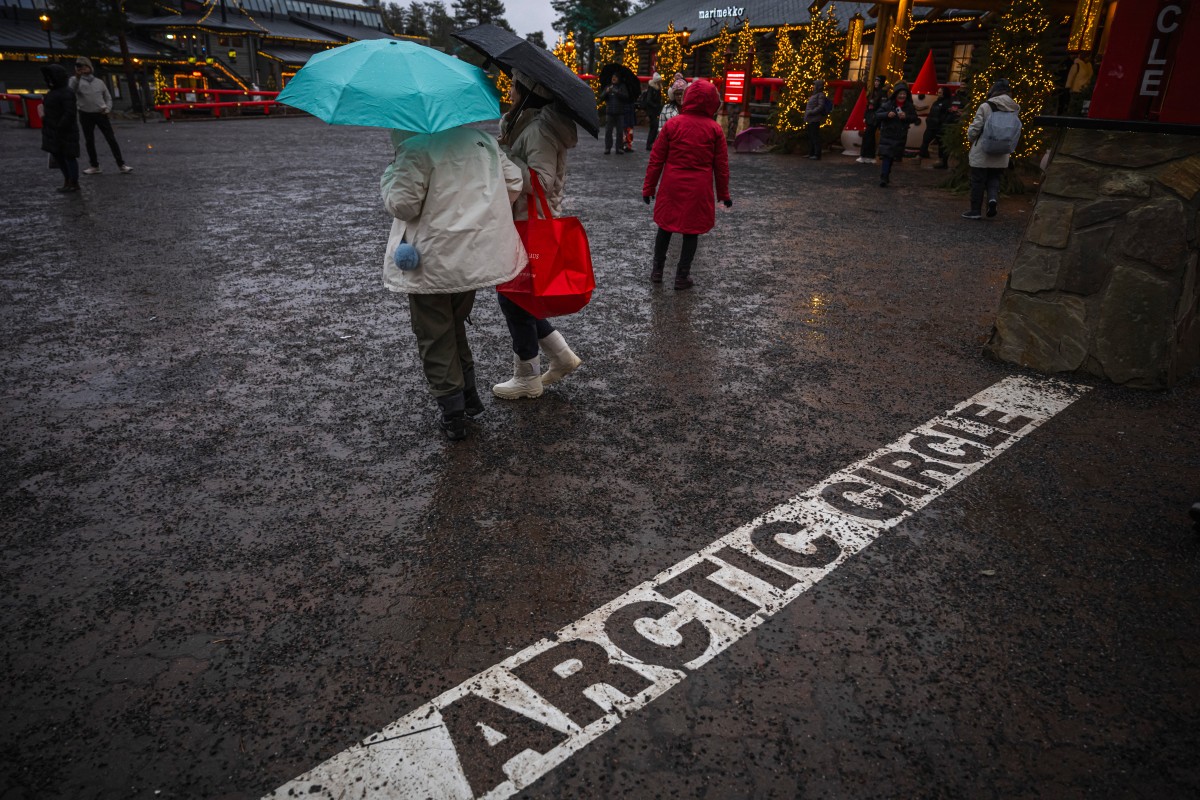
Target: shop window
{"points": [[959, 61], [858, 66]]}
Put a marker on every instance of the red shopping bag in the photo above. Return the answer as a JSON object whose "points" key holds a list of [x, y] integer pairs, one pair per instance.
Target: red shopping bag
{"points": [[558, 277]]}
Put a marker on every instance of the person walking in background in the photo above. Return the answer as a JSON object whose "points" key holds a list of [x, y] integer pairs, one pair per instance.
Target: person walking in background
{"points": [[875, 98], [941, 114], [815, 112], [94, 102], [652, 104], [450, 194], [616, 98], [536, 134], [630, 124], [60, 128], [894, 116], [688, 157], [988, 167]]}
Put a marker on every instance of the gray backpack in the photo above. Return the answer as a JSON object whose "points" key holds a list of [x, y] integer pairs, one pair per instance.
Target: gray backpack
{"points": [[1001, 132]]}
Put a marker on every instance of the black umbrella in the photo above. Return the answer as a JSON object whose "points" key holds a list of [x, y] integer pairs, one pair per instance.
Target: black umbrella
{"points": [[624, 75], [512, 52]]}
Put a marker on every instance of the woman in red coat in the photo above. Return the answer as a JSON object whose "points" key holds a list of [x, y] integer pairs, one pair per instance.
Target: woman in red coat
{"points": [[688, 155]]}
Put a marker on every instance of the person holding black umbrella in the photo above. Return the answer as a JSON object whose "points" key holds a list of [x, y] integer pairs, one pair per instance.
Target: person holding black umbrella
{"points": [[535, 134], [616, 98]]}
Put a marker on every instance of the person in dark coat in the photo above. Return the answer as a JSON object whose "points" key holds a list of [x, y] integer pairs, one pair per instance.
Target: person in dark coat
{"points": [[815, 113], [689, 155], [940, 115], [875, 98], [616, 97], [652, 104], [60, 127], [894, 117]]}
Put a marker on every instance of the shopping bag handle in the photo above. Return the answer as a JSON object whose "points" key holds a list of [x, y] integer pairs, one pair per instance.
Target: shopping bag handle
{"points": [[539, 197]]}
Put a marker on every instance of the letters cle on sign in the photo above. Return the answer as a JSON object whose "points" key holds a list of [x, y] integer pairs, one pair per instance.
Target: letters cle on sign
{"points": [[735, 86], [498, 732]]}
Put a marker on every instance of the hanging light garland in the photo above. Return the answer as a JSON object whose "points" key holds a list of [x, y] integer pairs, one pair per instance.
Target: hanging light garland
{"points": [[720, 45], [854, 36], [898, 47], [746, 52], [1084, 25]]}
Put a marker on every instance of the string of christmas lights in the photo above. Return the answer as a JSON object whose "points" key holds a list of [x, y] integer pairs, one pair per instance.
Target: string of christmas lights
{"points": [[670, 54], [746, 49]]}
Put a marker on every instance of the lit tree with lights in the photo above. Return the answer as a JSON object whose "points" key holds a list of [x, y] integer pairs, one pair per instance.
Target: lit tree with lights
{"points": [[161, 95], [1018, 50], [821, 53], [746, 50], [785, 54], [565, 51], [629, 56], [720, 45], [503, 84], [604, 55], [670, 55]]}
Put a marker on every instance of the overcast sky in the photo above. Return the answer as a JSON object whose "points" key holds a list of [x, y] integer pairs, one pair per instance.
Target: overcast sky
{"points": [[527, 16]]}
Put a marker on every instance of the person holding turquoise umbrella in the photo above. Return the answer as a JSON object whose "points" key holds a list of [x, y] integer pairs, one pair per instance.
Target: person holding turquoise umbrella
{"points": [[449, 190]]}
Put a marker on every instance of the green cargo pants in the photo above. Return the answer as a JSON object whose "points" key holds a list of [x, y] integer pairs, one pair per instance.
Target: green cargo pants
{"points": [[439, 321]]}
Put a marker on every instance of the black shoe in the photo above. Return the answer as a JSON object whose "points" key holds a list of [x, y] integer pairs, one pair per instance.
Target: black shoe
{"points": [[942, 165], [972, 215], [473, 404], [453, 421], [620, 152], [883, 182], [656, 272], [991, 212], [608, 152], [682, 281]]}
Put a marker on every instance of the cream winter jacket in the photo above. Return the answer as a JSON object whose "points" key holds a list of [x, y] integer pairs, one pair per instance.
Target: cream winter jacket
{"points": [[91, 94], [451, 195], [977, 157], [540, 139]]}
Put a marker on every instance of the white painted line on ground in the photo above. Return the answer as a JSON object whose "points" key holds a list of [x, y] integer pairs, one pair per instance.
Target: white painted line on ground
{"points": [[501, 730]]}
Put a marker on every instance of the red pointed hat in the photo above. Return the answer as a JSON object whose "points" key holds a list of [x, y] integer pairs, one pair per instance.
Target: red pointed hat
{"points": [[855, 122], [926, 82]]}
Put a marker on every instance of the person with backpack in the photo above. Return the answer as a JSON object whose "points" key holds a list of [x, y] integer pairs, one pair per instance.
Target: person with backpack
{"points": [[994, 135], [815, 113]]}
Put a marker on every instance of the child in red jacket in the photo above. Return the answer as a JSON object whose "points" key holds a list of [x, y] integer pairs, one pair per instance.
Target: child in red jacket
{"points": [[688, 156]]}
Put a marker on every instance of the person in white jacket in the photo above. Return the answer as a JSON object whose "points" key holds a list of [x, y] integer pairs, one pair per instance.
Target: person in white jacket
{"points": [[451, 195], [536, 135], [988, 168], [94, 102]]}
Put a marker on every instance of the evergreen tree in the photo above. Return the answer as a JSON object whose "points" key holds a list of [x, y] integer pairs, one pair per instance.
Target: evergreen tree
{"points": [[819, 54], [630, 57], [440, 25], [566, 52], [416, 20], [538, 38], [1018, 50], [394, 17], [604, 55], [670, 55], [469, 13], [717, 59], [585, 18], [785, 54], [746, 50]]}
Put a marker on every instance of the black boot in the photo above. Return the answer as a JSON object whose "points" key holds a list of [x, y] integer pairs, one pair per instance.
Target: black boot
{"points": [[682, 281], [454, 418], [656, 272], [473, 403]]}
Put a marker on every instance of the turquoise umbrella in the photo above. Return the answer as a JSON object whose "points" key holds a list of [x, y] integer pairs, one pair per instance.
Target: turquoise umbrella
{"points": [[386, 83]]}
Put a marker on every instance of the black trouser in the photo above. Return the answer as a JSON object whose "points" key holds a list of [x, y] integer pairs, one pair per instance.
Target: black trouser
{"points": [[614, 122], [868, 137], [885, 172], [69, 166], [91, 121], [984, 178], [932, 135], [652, 134], [525, 328], [814, 138], [663, 240]]}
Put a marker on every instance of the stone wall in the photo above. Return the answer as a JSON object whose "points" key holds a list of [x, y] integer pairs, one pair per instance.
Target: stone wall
{"points": [[1105, 279]]}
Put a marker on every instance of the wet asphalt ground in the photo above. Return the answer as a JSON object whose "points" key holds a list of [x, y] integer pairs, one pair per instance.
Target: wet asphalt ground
{"points": [[235, 543]]}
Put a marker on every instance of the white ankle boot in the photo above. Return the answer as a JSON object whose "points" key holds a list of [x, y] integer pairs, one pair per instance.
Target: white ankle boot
{"points": [[526, 382], [562, 361]]}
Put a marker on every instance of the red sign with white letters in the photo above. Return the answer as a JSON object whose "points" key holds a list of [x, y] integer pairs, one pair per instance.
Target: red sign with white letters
{"points": [[1152, 65], [735, 86]]}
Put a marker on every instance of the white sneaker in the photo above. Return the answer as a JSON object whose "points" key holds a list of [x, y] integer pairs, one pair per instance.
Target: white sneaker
{"points": [[126, 169], [92, 171], [526, 382], [562, 361], [860, 160]]}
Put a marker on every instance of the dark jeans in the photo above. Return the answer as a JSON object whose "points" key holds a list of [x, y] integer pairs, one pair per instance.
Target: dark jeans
{"points": [[933, 135], [90, 122], [814, 138], [614, 123], [868, 146], [69, 168], [524, 328], [886, 172], [439, 321], [981, 178], [663, 240], [652, 134]]}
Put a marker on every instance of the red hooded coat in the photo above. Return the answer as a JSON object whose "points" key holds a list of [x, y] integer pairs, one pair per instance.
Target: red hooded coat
{"points": [[688, 154]]}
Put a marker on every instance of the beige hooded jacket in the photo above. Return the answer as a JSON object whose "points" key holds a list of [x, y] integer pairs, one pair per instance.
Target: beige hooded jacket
{"points": [[539, 141]]}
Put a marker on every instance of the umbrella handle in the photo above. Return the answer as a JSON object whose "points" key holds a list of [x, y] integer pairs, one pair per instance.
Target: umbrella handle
{"points": [[539, 197]]}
